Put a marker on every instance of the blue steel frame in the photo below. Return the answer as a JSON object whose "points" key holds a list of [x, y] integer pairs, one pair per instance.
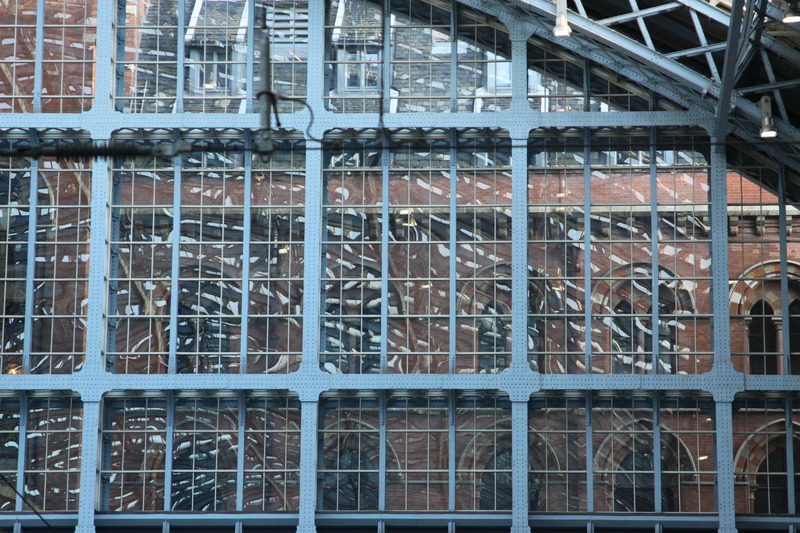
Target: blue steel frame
{"points": [[519, 382]]}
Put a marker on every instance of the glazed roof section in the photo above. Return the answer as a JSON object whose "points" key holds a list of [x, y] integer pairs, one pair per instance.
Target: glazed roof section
{"points": [[678, 49]]}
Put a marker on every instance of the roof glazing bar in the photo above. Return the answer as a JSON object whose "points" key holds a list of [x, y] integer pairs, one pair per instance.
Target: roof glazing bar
{"points": [[640, 14]]}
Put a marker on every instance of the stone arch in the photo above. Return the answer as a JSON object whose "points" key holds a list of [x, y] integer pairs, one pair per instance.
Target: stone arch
{"points": [[542, 296], [675, 457], [762, 282], [346, 332], [624, 301], [756, 452]]}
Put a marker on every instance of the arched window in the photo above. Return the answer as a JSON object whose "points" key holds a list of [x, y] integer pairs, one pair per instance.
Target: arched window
{"points": [[757, 299], [632, 336], [494, 327], [762, 336], [206, 324], [770, 495], [14, 193], [205, 445], [496, 481], [634, 489], [635, 327], [352, 327], [349, 481]]}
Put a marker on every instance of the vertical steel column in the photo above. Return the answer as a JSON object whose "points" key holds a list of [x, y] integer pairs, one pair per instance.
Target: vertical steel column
{"points": [[30, 266], [719, 256], [246, 242], [312, 270], [453, 56], [38, 65], [721, 380], [22, 448], [242, 445], [519, 253], [313, 236], [89, 464], [519, 464], [308, 463], [785, 317], [95, 326], [723, 456], [105, 79]]}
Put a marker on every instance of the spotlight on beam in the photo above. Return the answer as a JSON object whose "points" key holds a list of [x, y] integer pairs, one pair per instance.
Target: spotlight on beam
{"points": [[561, 28], [768, 130], [791, 14]]}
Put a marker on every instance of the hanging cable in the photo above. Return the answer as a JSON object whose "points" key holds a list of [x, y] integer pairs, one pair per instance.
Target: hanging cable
{"points": [[25, 501]]}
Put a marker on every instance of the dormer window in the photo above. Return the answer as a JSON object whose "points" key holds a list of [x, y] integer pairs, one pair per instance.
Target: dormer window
{"points": [[361, 70]]}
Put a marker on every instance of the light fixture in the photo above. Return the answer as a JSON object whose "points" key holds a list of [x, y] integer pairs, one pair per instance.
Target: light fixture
{"points": [[768, 130], [791, 15], [561, 28]]}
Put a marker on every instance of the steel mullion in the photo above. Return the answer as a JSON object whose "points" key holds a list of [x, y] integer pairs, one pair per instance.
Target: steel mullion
{"points": [[169, 437], [38, 66], [386, 159], [453, 263], [454, 56], [589, 453], [241, 447], [386, 58], [382, 451], [22, 449], [657, 466], [250, 56], [30, 267], [587, 250], [655, 278], [119, 75], [784, 280], [451, 451], [180, 77], [174, 301], [789, 434], [246, 243], [113, 264]]}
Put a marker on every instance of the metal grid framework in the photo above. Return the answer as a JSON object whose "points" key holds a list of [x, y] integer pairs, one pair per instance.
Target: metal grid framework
{"points": [[237, 350]]}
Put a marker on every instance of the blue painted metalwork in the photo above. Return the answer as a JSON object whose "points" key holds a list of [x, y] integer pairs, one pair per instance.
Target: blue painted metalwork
{"points": [[518, 380], [38, 67], [30, 266]]}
